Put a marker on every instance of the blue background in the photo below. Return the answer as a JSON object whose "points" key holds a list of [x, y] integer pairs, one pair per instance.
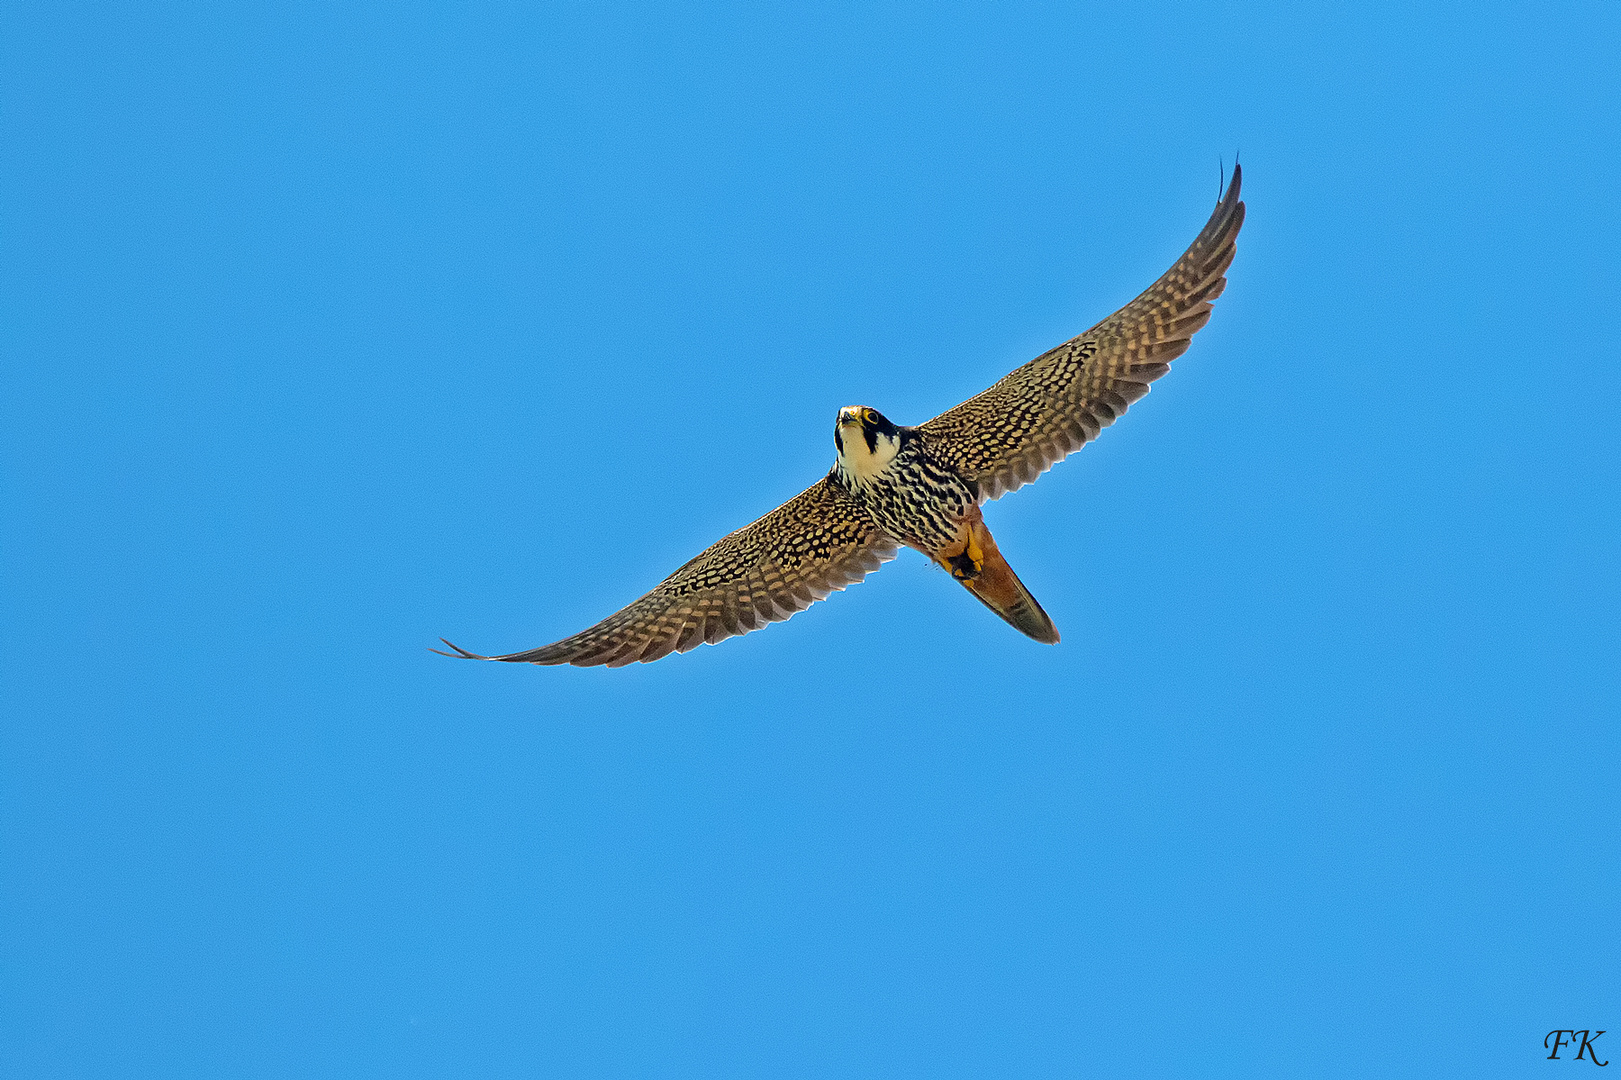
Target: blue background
{"points": [[330, 329]]}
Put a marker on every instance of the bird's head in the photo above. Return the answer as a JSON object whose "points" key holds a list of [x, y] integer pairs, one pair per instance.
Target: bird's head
{"points": [[866, 441]]}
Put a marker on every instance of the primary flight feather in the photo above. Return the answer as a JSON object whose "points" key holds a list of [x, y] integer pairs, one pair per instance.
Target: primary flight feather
{"points": [[922, 486]]}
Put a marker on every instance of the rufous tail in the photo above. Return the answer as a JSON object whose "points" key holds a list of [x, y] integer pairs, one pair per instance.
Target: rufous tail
{"points": [[997, 586]]}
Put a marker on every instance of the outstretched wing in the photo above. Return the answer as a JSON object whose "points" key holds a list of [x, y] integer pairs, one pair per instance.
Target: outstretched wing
{"points": [[818, 541], [1050, 407]]}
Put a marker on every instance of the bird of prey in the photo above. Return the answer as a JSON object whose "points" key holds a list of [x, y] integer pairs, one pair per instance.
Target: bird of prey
{"points": [[922, 486]]}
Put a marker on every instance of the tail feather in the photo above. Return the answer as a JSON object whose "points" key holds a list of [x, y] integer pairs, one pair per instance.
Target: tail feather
{"points": [[999, 588]]}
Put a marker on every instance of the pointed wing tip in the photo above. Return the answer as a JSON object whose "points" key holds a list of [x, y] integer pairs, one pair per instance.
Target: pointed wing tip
{"points": [[1227, 192], [459, 653], [1228, 216]]}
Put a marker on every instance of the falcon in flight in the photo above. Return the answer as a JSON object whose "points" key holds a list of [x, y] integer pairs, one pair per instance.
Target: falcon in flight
{"points": [[922, 486]]}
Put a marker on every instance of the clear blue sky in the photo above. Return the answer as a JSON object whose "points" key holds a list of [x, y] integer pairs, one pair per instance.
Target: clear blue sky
{"points": [[332, 328]]}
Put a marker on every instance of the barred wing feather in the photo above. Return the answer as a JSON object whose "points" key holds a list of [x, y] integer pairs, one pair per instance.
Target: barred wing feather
{"points": [[1007, 436], [814, 544]]}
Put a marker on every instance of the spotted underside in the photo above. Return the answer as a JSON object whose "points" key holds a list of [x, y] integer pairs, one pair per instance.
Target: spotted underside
{"points": [[917, 501], [823, 539], [1007, 436]]}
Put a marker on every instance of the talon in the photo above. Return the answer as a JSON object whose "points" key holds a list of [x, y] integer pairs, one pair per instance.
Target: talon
{"points": [[966, 566]]}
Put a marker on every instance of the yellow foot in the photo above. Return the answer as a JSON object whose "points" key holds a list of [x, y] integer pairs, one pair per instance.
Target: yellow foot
{"points": [[966, 565]]}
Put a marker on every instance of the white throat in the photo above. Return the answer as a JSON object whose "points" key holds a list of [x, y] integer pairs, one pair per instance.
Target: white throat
{"points": [[860, 464]]}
